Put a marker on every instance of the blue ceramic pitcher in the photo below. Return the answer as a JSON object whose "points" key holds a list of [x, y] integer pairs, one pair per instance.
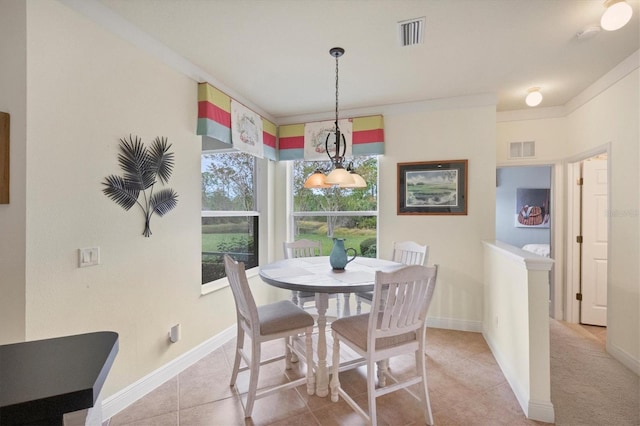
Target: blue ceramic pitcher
{"points": [[338, 256]]}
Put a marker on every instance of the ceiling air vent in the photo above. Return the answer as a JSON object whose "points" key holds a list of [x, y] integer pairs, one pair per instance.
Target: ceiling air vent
{"points": [[411, 32], [522, 150]]}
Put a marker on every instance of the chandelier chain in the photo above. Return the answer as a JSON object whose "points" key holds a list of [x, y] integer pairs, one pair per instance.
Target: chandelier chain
{"points": [[339, 176], [336, 91]]}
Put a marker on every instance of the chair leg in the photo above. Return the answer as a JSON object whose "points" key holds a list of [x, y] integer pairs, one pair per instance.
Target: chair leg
{"points": [[287, 352], [335, 364], [383, 368], [311, 378], [237, 358], [422, 369], [254, 370], [371, 393]]}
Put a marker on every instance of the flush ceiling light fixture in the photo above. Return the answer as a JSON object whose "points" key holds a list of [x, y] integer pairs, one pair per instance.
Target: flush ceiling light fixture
{"points": [[534, 97], [616, 15], [344, 178]]}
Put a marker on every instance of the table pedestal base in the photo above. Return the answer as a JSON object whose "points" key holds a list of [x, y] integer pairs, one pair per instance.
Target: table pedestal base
{"points": [[322, 374]]}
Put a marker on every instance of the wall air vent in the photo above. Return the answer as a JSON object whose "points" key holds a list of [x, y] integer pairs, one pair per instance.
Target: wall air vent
{"points": [[411, 31], [519, 150]]}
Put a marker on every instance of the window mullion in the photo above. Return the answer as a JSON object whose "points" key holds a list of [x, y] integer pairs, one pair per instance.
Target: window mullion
{"points": [[335, 213]]}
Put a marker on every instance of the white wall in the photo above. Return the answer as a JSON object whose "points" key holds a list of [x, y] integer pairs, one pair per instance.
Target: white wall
{"points": [[549, 134], [86, 89], [13, 80], [610, 117], [614, 117], [434, 134]]}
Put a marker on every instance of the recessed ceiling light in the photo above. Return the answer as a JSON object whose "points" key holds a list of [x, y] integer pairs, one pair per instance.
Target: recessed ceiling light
{"points": [[534, 97], [616, 16]]}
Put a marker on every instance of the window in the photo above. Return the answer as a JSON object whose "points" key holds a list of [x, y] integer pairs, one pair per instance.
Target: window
{"points": [[324, 214], [229, 213]]}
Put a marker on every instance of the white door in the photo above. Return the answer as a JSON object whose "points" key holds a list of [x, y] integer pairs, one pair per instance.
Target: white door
{"points": [[593, 309]]}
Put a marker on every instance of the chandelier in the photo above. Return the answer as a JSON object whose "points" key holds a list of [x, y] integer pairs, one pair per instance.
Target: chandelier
{"points": [[339, 176]]}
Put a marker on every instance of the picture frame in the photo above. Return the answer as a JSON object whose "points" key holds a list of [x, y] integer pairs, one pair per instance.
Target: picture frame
{"points": [[4, 157], [433, 188], [533, 208]]}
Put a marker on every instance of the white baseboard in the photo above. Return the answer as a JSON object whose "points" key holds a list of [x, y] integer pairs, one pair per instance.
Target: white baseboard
{"points": [[532, 409], [541, 411], [521, 395], [127, 396], [455, 324], [625, 359]]}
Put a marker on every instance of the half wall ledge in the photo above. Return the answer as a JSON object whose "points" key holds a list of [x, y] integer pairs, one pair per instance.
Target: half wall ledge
{"points": [[516, 323]]}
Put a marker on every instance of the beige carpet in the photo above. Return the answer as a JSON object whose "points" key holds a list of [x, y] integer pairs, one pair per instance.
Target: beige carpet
{"points": [[588, 386]]}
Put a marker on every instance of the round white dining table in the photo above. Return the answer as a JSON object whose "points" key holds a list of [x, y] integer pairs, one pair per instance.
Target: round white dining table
{"points": [[314, 274]]}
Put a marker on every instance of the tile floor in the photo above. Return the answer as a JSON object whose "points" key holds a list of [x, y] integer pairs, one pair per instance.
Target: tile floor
{"points": [[466, 387]]}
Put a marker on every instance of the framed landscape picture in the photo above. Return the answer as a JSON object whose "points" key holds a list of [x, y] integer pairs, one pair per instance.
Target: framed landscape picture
{"points": [[432, 187]]}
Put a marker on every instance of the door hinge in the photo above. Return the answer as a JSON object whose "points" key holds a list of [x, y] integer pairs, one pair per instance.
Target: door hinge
{"points": [[579, 239], [578, 296], [580, 181]]}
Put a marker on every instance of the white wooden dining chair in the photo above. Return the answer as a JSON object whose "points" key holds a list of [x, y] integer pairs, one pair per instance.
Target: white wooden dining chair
{"points": [[305, 248], [395, 325], [263, 323], [407, 252]]}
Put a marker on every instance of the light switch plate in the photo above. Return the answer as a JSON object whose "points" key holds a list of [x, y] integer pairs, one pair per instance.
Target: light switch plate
{"points": [[88, 256]]}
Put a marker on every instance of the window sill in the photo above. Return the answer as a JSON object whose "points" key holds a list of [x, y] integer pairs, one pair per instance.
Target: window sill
{"points": [[216, 285]]}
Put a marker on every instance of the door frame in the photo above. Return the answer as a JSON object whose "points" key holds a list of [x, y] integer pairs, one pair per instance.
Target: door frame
{"points": [[572, 227]]}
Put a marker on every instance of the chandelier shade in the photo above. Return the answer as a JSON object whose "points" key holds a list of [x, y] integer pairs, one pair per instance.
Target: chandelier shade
{"points": [[358, 181], [316, 180], [339, 176]]}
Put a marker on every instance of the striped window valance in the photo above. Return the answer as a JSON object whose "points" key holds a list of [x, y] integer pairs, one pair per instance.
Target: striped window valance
{"points": [[214, 125], [368, 138], [214, 121]]}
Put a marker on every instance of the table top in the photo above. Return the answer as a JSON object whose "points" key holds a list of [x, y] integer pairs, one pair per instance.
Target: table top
{"points": [[314, 274], [45, 378]]}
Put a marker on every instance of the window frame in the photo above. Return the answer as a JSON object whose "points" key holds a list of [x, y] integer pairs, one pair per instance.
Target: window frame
{"points": [[259, 188], [291, 214]]}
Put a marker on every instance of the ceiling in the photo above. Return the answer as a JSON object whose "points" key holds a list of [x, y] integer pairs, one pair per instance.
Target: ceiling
{"points": [[275, 53]]}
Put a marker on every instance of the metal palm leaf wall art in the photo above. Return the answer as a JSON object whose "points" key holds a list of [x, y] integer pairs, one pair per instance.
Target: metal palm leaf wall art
{"points": [[143, 167]]}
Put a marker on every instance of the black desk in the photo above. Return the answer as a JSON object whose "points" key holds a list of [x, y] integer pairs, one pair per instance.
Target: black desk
{"points": [[42, 380]]}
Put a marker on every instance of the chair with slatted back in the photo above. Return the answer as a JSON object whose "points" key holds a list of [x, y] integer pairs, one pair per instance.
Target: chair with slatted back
{"points": [[407, 252], [263, 323], [304, 248], [396, 325]]}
